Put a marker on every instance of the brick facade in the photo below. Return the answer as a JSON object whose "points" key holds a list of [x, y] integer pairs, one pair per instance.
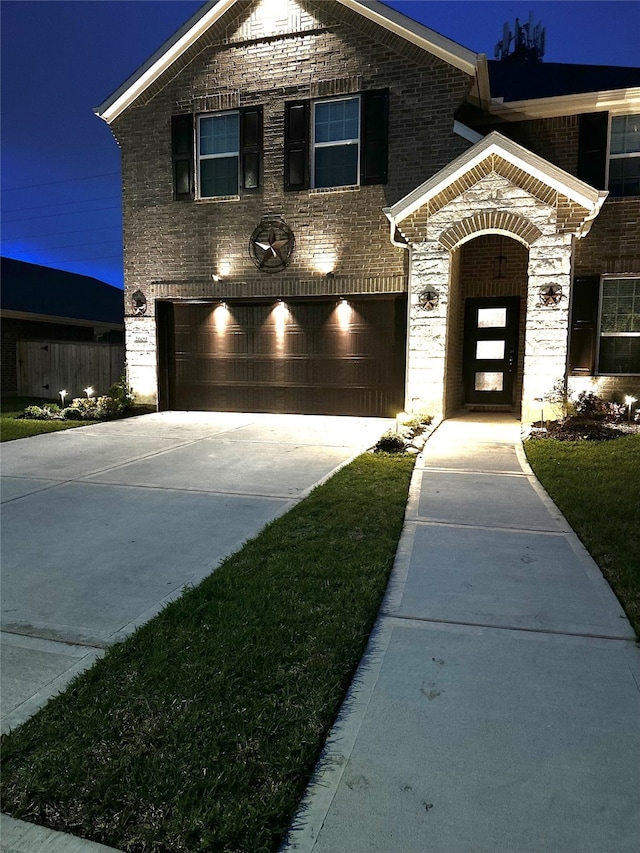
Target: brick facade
{"points": [[255, 55]]}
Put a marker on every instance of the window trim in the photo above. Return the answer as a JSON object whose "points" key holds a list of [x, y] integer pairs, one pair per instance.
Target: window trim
{"points": [[316, 145], [599, 334], [224, 155], [610, 156]]}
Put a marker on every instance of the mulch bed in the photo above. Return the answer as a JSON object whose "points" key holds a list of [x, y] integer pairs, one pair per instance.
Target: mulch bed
{"points": [[589, 429]]}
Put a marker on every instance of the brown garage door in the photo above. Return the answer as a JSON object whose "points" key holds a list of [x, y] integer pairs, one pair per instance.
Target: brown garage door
{"points": [[305, 356]]}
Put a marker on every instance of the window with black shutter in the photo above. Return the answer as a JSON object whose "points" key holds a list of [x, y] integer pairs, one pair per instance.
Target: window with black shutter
{"points": [[250, 147], [337, 142]]}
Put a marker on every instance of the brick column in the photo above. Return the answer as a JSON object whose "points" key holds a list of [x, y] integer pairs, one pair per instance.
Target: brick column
{"points": [[140, 336]]}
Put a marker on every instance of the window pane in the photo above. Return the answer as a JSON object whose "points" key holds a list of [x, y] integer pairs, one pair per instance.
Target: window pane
{"points": [[492, 318], [490, 349], [625, 134], [624, 176], [337, 120], [489, 382], [219, 134], [219, 176], [620, 311], [336, 166], [619, 355]]}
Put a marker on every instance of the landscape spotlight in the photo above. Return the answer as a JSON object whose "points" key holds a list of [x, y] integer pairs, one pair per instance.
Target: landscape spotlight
{"points": [[89, 391]]}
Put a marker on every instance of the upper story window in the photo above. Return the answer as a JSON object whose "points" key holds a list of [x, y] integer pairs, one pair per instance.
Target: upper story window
{"points": [[336, 142], [227, 151], [619, 337], [624, 156]]}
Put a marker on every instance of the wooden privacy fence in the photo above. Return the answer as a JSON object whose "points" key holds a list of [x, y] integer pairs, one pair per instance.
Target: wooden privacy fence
{"points": [[47, 367]]}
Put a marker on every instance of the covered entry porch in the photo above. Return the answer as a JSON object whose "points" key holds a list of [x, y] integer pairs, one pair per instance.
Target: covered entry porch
{"points": [[490, 240]]}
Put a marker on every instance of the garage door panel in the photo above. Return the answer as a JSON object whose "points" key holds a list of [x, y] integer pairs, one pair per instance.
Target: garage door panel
{"points": [[316, 357]]}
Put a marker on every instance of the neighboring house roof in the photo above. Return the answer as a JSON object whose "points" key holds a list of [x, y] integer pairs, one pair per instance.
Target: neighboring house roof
{"points": [[429, 40], [514, 81], [36, 292]]}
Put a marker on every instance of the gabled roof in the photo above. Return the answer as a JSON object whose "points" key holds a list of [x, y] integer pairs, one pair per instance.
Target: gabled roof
{"points": [[493, 152], [55, 295], [429, 40]]}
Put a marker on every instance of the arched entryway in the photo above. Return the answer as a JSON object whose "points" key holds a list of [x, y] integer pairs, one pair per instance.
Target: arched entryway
{"points": [[504, 202], [486, 326]]}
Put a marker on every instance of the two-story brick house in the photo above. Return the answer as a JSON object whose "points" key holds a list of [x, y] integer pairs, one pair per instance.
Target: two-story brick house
{"points": [[329, 208]]}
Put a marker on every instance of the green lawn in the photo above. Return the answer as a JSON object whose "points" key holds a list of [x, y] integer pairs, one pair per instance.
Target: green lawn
{"points": [[596, 485], [12, 427], [200, 732]]}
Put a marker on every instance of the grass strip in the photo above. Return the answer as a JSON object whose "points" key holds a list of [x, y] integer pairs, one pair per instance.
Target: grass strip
{"points": [[595, 484], [12, 427], [201, 730]]}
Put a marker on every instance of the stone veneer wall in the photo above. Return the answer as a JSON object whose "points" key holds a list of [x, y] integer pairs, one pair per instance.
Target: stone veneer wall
{"points": [[546, 336], [315, 49]]}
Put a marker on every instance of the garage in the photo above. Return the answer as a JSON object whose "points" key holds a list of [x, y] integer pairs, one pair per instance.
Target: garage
{"points": [[307, 356]]}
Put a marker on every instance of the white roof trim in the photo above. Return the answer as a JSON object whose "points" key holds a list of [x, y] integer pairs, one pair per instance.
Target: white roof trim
{"points": [[611, 100], [419, 35], [495, 143], [431, 41]]}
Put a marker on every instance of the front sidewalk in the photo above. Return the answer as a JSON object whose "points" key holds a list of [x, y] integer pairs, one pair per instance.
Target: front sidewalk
{"points": [[497, 705]]}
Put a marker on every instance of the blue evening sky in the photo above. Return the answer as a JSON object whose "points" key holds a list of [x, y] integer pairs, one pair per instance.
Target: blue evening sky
{"points": [[61, 58]]}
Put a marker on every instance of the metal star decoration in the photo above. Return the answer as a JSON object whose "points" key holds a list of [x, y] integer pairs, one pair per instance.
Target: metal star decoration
{"points": [[271, 245], [550, 295]]}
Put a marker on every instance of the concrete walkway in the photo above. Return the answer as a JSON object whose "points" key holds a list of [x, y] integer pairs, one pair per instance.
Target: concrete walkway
{"points": [[497, 707]]}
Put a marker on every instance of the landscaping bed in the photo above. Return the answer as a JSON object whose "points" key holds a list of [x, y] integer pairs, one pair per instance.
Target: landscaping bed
{"points": [[200, 732]]}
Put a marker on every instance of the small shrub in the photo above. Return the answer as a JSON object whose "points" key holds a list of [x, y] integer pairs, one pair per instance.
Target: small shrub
{"points": [[82, 409], [107, 408], [416, 425], [35, 413], [122, 394], [589, 405], [42, 413], [391, 442]]}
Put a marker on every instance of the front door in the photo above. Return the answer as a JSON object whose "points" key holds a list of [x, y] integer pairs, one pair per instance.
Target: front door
{"points": [[490, 355]]}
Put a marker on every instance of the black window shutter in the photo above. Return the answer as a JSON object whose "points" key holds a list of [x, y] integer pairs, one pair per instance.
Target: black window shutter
{"points": [[593, 129], [584, 325], [374, 137], [251, 147], [182, 155], [296, 145]]}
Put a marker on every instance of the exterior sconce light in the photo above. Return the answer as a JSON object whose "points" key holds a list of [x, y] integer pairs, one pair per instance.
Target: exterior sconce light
{"points": [[330, 274], [139, 302], [428, 299], [89, 391], [550, 295], [216, 277], [629, 401]]}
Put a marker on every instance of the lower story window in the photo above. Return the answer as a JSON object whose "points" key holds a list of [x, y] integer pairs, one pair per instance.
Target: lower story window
{"points": [[619, 342]]}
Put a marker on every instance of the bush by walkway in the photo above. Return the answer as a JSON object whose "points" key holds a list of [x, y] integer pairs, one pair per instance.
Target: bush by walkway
{"points": [[201, 730]]}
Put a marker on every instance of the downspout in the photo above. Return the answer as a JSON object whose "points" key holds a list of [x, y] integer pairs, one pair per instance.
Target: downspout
{"points": [[394, 235]]}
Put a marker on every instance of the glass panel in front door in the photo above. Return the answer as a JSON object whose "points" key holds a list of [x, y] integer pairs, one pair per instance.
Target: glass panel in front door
{"points": [[490, 349]]}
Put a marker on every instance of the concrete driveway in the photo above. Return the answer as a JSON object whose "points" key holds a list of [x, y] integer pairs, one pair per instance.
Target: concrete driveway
{"points": [[104, 525]]}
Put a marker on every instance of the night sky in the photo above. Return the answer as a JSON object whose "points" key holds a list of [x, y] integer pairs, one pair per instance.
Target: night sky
{"points": [[60, 60]]}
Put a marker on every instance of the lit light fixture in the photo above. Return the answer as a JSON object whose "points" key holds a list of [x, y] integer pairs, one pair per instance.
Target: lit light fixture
{"points": [[401, 418], [63, 394], [330, 274], [629, 401], [88, 391], [215, 276]]}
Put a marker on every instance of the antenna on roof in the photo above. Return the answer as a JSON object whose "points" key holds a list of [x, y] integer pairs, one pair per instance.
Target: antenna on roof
{"points": [[525, 44]]}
